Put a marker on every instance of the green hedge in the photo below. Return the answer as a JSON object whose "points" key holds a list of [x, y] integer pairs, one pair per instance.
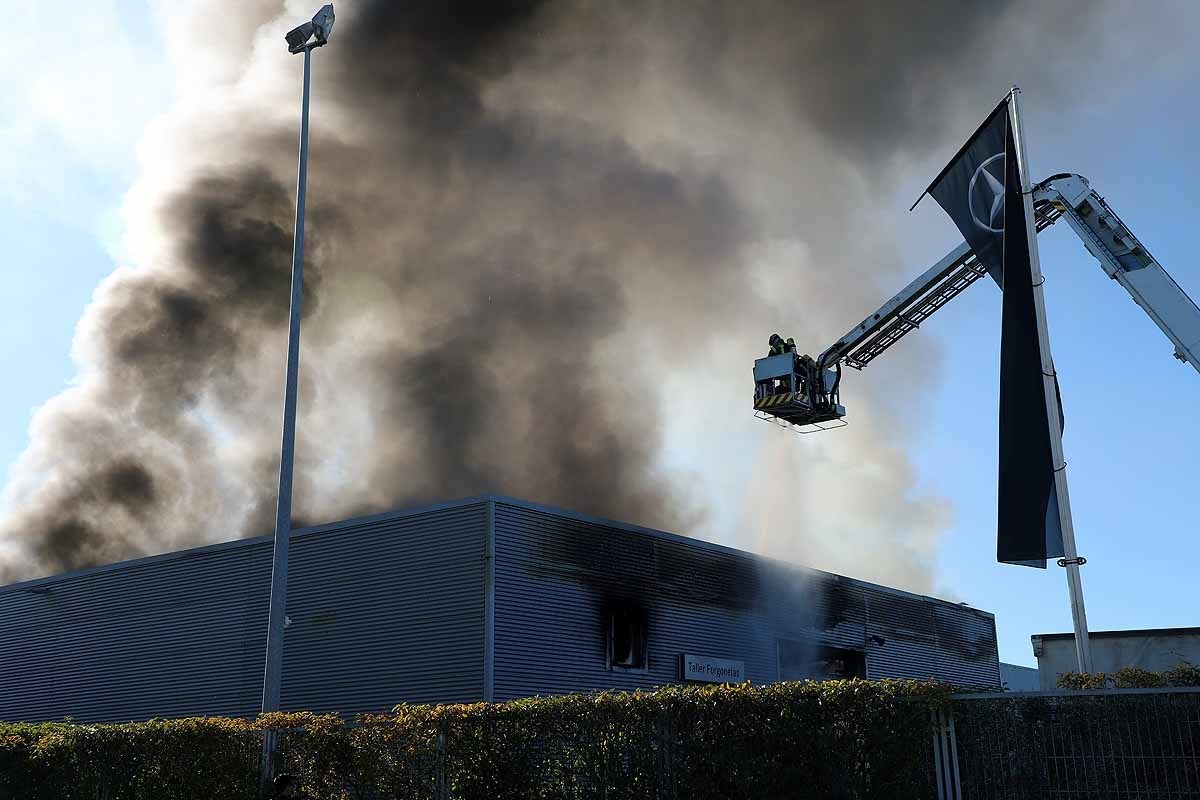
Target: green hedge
{"points": [[853, 739], [183, 758], [1182, 674]]}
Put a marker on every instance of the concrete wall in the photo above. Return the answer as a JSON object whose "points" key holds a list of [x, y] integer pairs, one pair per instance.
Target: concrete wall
{"points": [[1112, 650]]}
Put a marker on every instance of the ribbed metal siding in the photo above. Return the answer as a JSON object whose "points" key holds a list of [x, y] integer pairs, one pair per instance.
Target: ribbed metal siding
{"points": [[909, 648], [967, 653], [166, 637], [387, 611], [556, 576], [927, 638], [383, 610]]}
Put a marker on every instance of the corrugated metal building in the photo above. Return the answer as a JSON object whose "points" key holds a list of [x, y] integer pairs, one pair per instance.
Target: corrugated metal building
{"points": [[1017, 678], [486, 598]]}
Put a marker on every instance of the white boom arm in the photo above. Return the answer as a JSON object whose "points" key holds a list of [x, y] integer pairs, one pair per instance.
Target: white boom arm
{"points": [[1064, 196], [1126, 261]]}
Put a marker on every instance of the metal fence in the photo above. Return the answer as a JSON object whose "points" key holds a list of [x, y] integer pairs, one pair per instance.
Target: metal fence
{"points": [[1101, 745]]}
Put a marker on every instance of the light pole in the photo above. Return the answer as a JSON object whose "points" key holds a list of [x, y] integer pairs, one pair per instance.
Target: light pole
{"points": [[302, 39], [1071, 559]]}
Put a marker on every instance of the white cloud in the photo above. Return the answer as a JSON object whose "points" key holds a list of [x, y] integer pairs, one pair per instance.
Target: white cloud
{"points": [[84, 83]]}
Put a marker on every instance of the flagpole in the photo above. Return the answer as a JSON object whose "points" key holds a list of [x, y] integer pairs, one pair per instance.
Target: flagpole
{"points": [[1071, 560]]}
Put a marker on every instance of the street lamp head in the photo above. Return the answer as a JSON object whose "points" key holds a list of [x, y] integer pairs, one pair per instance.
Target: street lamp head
{"points": [[319, 29], [323, 23], [299, 36]]}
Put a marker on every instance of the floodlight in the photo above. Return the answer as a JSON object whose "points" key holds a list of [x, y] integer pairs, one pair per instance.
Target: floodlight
{"points": [[320, 27], [323, 23], [298, 37]]}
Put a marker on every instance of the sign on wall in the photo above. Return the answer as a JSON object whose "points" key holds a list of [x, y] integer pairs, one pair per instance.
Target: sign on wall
{"points": [[705, 669]]}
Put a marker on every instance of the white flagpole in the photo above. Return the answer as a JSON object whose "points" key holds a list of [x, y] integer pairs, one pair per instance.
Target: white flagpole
{"points": [[1083, 646]]}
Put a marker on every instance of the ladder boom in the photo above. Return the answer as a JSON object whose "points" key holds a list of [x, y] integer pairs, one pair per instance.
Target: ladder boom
{"points": [[1123, 258], [1127, 261], [799, 390], [918, 301]]}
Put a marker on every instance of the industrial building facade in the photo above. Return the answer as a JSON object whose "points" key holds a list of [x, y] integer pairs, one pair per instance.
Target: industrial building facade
{"points": [[488, 598], [1153, 649]]}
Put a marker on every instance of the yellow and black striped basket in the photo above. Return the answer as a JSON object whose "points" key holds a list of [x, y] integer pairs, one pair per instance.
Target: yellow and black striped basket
{"points": [[777, 400]]}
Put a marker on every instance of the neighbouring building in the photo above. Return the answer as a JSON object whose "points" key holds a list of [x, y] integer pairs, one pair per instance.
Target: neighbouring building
{"points": [[487, 598], [1016, 678], [1154, 649]]}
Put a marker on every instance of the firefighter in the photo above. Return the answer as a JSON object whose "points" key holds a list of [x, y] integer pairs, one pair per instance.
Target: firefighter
{"points": [[790, 347], [778, 348]]}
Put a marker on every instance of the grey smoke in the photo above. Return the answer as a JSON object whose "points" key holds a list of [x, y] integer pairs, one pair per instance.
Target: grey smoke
{"points": [[525, 218]]}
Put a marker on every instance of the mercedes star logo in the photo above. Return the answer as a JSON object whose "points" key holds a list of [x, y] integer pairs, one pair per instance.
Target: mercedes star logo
{"points": [[987, 205]]}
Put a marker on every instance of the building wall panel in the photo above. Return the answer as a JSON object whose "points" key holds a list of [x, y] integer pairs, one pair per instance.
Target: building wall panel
{"points": [[383, 610], [1156, 650], [557, 578], [399, 607], [559, 574]]}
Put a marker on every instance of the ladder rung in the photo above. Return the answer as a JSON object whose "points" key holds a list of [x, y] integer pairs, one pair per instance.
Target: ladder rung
{"points": [[1046, 214]]}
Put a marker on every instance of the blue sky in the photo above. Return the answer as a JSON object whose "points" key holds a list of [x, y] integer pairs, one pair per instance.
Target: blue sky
{"points": [[69, 131], [1132, 461], [71, 137]]}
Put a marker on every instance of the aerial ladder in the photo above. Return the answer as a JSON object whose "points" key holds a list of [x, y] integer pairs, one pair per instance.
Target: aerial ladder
{"points": [[802, 392]]}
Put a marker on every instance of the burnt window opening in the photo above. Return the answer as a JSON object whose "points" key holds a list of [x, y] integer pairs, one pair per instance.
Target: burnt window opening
{"points": [[627, 639], [800, 661]]}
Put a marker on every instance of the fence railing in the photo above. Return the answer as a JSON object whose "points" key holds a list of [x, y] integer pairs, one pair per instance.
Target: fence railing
{"points": [[1117, 744]]}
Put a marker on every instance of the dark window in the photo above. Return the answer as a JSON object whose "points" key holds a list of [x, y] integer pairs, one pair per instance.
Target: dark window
{"points": [[627, 639], [800, 661]]}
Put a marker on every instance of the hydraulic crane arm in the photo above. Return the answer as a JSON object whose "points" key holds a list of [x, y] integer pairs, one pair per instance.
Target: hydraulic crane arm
{"points": [[905, 312], [1064, 196], [1126, 260], [804, 391]]}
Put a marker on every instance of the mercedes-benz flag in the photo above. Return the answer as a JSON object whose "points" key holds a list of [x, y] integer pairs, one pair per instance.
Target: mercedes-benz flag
{"points": [[971, 190], [981, 191]]}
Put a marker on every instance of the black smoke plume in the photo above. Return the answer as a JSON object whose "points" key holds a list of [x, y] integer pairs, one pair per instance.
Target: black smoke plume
{"points": [[525, 218]]}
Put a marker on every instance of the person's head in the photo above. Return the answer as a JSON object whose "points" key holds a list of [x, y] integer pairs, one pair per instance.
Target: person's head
{"points": [[775, 339], [791, 342]]}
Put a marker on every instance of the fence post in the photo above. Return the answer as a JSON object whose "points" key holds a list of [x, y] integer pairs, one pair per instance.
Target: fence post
{"points": [[953, 737], [664, 779], [938, 771], [945, 754], [439, 765]]}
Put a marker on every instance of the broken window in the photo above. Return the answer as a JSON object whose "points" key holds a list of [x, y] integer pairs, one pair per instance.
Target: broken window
{"points": [[799, 660], [627, 639]]}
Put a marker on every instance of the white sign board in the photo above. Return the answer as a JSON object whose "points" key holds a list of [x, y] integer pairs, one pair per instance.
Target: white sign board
{"points": [[711, 670]]}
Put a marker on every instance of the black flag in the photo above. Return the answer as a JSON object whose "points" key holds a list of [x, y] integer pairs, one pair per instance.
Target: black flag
{"points": [[981, 191], [971, 190]]}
